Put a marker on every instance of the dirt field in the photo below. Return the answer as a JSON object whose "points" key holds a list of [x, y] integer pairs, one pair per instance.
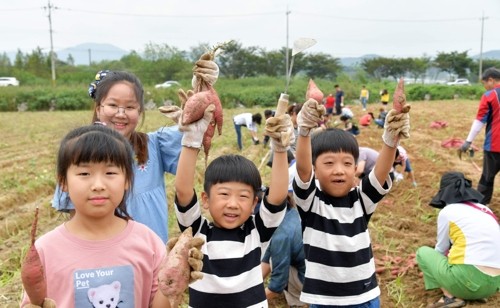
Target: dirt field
{"points": [[402, 223]]}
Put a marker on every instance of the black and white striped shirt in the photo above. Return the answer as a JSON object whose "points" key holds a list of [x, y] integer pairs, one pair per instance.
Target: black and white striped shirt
{"points": [[232, 276], [340, 268]]}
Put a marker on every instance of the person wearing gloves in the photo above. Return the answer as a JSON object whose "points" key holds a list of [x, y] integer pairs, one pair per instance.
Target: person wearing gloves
{"points": [[234, 237], [465, 262], [488, 114], [332, 206], [250, 121], [118, 98]]}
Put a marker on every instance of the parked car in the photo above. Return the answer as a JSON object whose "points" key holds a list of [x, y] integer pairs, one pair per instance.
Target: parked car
{"points": [[9, 81], [459, 82], [167, 84]]}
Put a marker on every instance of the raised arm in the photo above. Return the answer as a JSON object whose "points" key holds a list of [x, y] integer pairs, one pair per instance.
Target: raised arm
{"points": [[397, 126], [307, 119], [280, 129], [191, 144]]}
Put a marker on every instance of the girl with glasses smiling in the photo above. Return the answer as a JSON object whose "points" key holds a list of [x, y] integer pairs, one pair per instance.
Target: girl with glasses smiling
{"points": [[119, 104]]}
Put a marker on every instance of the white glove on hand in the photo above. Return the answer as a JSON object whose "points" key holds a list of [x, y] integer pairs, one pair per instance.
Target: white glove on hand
{"points": [[309, 116], [280, 129], [397, 126], [193, 133], [172, 112], [206, 70]]}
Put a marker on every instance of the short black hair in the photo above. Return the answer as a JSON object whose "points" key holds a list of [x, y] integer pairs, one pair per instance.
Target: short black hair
{"points": [[232, 168], [491, 72], [334, 140], [257, 118], [268, 113]]}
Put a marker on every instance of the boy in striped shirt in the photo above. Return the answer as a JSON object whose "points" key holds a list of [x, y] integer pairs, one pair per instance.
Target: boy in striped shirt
{"points": [[234, 239], [340, 269]]}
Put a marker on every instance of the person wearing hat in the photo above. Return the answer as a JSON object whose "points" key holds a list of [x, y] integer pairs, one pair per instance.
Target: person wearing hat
{"points": [[487, 116], [250, 121], [465, 263]]}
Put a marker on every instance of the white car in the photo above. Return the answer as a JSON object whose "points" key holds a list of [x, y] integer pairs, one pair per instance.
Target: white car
{"points": [[459, 82], [167, 84], [9, 81]]}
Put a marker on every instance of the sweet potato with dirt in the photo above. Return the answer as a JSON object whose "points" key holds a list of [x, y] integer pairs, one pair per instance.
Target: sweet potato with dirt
{"points": [[399, 98], [314, 92], [194, 109], [175, 270], [32, 271]]}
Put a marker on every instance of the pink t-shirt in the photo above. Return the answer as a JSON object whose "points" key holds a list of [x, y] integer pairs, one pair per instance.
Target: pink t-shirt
{"points": [[120, 271]]}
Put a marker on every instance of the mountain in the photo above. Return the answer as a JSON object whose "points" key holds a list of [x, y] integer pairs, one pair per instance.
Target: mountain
{"points": [[352, 61], [91, 52], [492, 54]]}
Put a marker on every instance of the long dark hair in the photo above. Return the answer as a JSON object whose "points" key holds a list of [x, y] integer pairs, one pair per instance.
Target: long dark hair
{"points": [[138, 140], [96, 144]]}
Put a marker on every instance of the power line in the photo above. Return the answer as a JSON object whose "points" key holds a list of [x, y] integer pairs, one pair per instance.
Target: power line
{"points": [[406, 20], [172, 15]]}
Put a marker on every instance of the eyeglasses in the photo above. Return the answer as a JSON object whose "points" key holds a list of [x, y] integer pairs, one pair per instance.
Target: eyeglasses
{"points": [[112, 109]]}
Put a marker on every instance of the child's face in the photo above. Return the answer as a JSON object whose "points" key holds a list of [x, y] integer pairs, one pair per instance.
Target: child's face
{"points": [[120, 109], [335, 173], [96, 189], [230, 203]]}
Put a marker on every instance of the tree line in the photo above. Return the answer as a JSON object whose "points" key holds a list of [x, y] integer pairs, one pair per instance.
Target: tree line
{"points": [[160, 62]]}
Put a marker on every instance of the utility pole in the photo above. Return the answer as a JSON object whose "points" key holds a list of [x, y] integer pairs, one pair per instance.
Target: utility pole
{"points": [[50, 7], [90, 57], [286, 51], [481, 49]]}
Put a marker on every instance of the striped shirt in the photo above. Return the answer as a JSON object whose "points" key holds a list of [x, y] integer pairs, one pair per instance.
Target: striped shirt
{"points": [[340, 268], [489, 114], [232, 275]]}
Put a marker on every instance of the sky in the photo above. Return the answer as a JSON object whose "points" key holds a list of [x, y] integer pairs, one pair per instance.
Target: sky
{"points": [[342, 28]]}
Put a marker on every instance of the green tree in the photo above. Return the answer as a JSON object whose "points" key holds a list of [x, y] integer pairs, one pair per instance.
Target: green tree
{"points": [[321, 65], [457, 63]]}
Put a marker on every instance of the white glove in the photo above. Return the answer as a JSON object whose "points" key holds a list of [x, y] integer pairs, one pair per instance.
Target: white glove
{"points": [[172, 112], [206, 70], [193, 133], [309, 116], [280, 129], [396, 126]]}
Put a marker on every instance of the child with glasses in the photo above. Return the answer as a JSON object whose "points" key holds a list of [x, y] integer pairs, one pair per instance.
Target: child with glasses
{"points": [[119, 104]]}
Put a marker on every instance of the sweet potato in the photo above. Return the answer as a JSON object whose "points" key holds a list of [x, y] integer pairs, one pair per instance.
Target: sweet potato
{"points": [[399, 98], [32, 271], [314, 92], [194, 109], [174, 273]]}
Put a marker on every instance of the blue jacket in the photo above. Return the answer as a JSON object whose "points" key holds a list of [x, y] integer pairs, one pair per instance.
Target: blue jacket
{"points": [[286, 249]]}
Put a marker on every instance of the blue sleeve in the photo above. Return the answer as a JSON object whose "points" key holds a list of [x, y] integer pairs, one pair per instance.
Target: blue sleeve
{"points": [[279, 250], [169, 144]]}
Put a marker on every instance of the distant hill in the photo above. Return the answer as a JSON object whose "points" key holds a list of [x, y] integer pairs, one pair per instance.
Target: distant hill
{"points": [[98, 52], [492, 54], [352, 61], [84, 53]]}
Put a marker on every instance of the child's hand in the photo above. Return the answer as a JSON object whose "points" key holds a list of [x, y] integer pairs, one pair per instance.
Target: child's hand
{"points": [[207, 70], [193, 133], [172, 112], [397, 126], [309, 116], [47, 303], [195, 256], [280, 129]]}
